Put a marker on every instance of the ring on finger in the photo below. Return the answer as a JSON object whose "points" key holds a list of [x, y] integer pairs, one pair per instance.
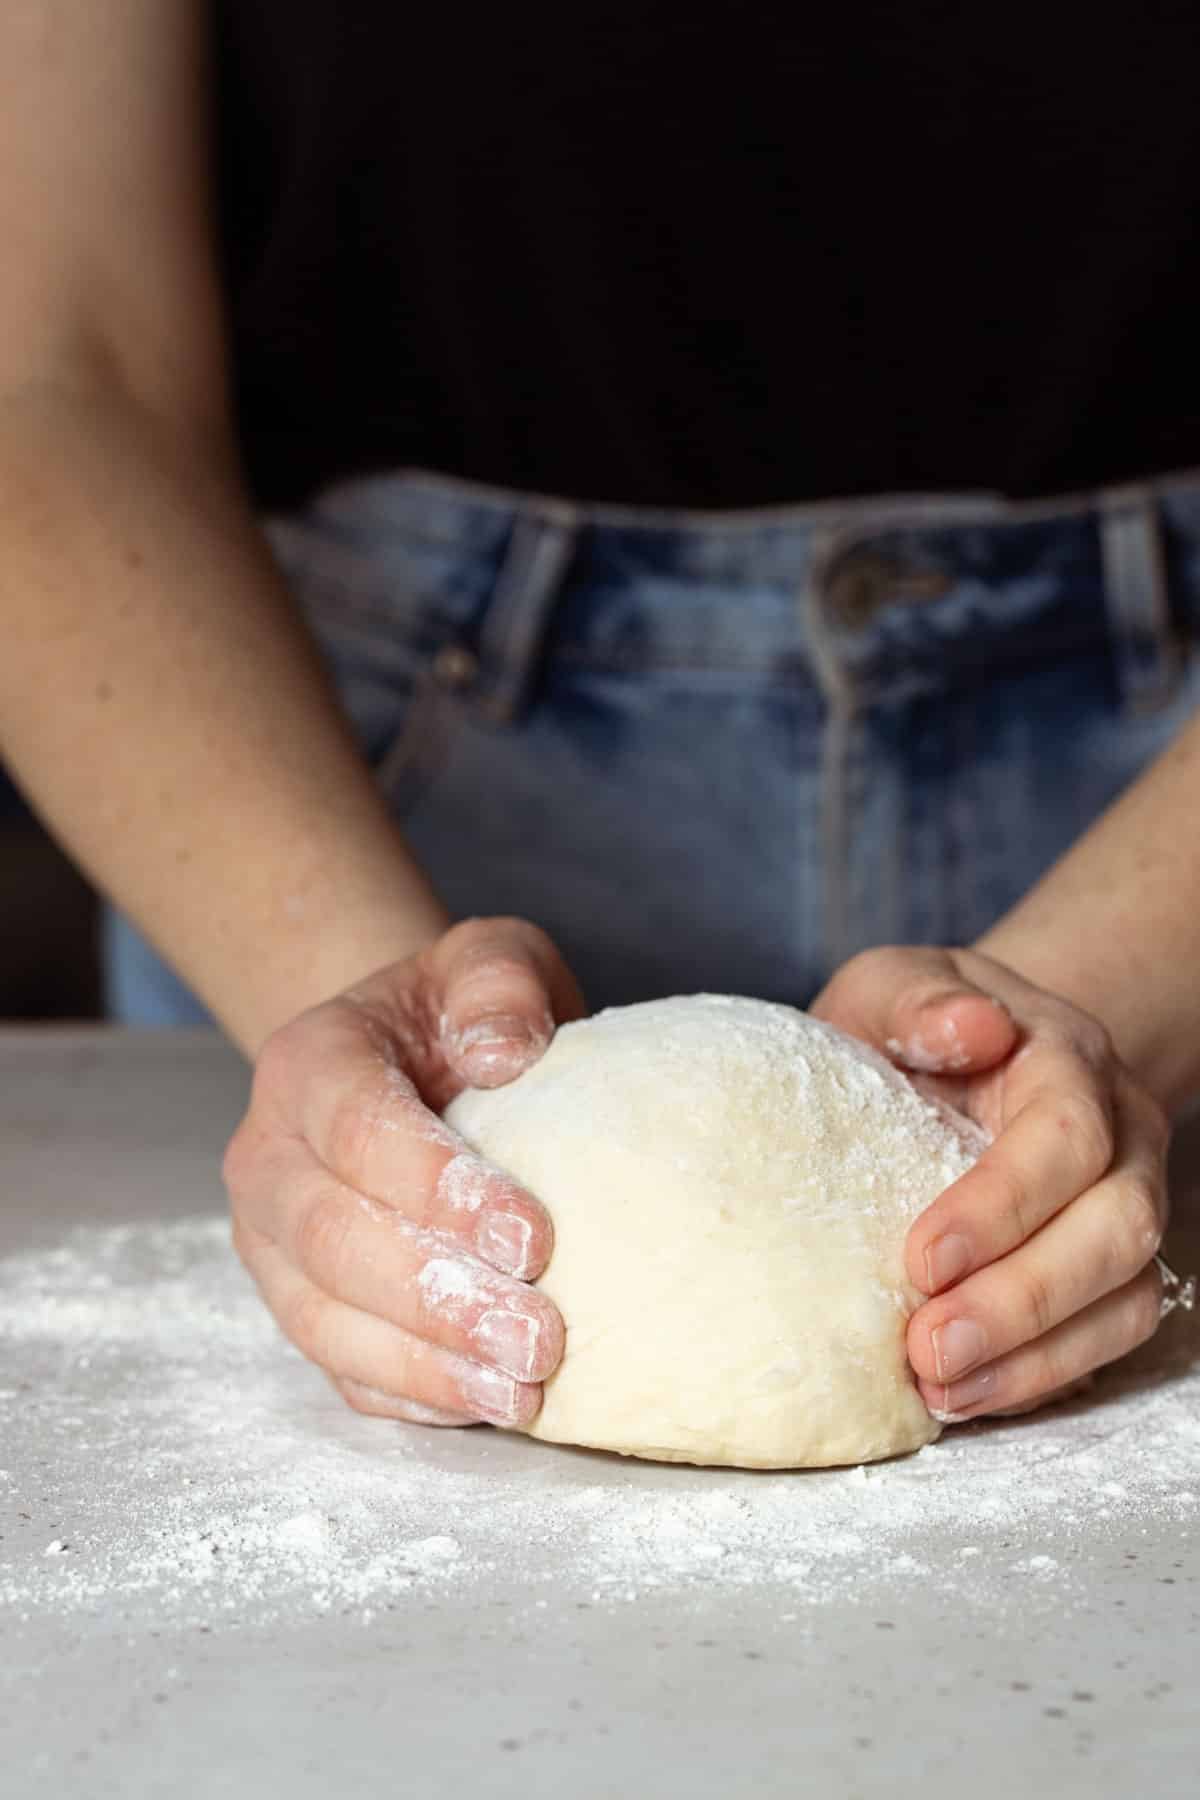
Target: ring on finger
{"points": [[1177, 1290]]}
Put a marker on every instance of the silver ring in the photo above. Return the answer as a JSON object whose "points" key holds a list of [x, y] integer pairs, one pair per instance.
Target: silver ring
{"points": [[1177, 1290]]}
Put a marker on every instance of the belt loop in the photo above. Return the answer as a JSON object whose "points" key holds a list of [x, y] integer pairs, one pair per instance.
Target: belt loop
{"points": [[1135, 586], [539, 552]]}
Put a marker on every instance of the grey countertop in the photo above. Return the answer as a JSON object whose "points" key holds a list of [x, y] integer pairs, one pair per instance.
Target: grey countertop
{"points": [[216, 1581]]}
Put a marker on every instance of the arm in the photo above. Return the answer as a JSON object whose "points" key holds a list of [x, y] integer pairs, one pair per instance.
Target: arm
{"points": [[1115, 925], [162, 706], [1038, 1263], [158, 698]]}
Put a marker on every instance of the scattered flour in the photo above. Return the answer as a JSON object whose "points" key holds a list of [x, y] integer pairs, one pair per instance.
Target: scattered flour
{"points": [[465, 1182], [166, 1456], [456, 1284]]}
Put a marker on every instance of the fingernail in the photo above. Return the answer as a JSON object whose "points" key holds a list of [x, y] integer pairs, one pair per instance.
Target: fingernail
{"points": [[510, 1340], [937, 1046], [490, 1393], [968, 1392], [501, 1028], [947, 1260], [957, 1346], [497, 1048], [505, 1240]]}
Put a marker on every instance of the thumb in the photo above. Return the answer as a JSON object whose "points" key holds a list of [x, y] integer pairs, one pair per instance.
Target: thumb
{"points": [[502, 987], [919, 1007]]}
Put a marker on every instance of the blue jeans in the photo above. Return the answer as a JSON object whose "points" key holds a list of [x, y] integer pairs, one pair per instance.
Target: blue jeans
{"points": [[726, 751]]}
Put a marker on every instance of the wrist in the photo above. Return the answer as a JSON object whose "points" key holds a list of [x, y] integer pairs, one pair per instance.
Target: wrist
{"points": [[1104, 980], [322, 902], [318, 943]]}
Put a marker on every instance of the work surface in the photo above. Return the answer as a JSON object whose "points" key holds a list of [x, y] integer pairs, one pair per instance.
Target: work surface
{"points": [[214, 1580]]}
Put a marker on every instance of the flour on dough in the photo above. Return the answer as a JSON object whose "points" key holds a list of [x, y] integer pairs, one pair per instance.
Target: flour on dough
{"points": [[731, 1183]]}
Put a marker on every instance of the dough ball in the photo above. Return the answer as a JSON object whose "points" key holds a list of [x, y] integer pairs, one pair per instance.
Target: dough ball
{"points": [[731, 1184]]}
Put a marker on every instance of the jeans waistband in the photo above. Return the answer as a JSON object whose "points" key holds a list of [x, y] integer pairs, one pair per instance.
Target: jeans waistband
{"points": [[863, 594]]}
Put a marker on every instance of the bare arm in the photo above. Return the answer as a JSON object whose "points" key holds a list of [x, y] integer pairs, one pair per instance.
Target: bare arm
{"points": [[159, 699], [1039, 1263], [1115, 925]]}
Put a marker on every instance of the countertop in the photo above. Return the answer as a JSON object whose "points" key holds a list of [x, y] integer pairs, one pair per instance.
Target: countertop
{"points": [[214, 1580]]}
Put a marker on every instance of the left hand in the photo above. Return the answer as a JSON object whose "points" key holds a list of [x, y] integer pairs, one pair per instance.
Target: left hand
{"points": [[1039, 1260]]}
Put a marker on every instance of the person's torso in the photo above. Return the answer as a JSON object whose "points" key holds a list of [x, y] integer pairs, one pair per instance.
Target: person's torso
{"points": [[628, 254]]}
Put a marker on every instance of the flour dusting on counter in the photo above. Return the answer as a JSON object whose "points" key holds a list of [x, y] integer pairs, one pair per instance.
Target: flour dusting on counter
{"points": [[202, 1473]]}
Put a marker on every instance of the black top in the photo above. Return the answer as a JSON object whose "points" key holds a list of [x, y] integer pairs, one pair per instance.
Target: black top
{"points": [[665, 254]]}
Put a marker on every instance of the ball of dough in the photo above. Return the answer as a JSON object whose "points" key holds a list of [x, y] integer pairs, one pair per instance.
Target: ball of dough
{"points": [[731, 1184]]}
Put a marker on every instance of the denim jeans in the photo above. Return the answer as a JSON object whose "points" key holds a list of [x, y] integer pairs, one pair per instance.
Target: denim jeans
{"points": [[725, 751]]}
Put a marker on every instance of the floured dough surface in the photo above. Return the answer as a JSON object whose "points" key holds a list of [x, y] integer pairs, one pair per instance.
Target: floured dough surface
{"points": [[731, 1184]]}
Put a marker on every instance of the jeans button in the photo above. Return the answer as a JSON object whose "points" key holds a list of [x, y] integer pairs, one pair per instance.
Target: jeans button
{"points": [[455, 667], [857, 587], [865, 580]]}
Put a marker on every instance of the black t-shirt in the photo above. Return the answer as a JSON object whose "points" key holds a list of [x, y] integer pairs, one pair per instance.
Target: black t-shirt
{"points": [[672, 255]]}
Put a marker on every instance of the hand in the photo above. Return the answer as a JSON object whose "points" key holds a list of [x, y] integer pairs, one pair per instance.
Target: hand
{"points": [[1039, 1260], [389, 1253]]}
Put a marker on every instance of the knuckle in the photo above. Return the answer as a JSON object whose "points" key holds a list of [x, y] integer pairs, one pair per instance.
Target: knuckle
{"points": [[1155, 1121], [538, 944], [892, 965], [1138, 1218], [276, 1061], [321, 1231], [477, 928], [1077, 1036], [1056, 1367], [1054, 1031], [1094, 1042], [372, 1403], [354, 1120], [241, 1240], [497, 967], [1039, 1302], [1015, 1380], [235, 1164], [867, 962], [302, 1319], [861, 971], [353, 1395], [1011, 1203], [1084, 1123], [1143, 1311], [1018, 1395]]}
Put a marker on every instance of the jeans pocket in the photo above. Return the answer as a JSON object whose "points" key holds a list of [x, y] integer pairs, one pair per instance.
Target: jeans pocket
{"points": [[388, 638]]}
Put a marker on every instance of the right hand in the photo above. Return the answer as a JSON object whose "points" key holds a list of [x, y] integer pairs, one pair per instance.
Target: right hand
{"points": [[388, 1252]]}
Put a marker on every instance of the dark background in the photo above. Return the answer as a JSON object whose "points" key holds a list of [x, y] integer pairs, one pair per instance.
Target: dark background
{"points": [[49, 968]]}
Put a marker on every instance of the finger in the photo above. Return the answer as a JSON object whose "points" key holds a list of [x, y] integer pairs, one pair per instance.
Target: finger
{"points": [[1105, 1330], [372, 1258], [918, 1006], [1057, 1144], [332, 1081], [502, 987], [361, 1347], [377, 1405], [1069, 1391], [1088, 1250]]}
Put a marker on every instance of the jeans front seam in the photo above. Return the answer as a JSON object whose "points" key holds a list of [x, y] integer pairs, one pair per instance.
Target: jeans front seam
{"points": [[420, 745]]}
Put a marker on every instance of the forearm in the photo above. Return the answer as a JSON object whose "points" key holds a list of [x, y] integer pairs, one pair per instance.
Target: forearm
{"points": [[1115, 925], [163, 708]]}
